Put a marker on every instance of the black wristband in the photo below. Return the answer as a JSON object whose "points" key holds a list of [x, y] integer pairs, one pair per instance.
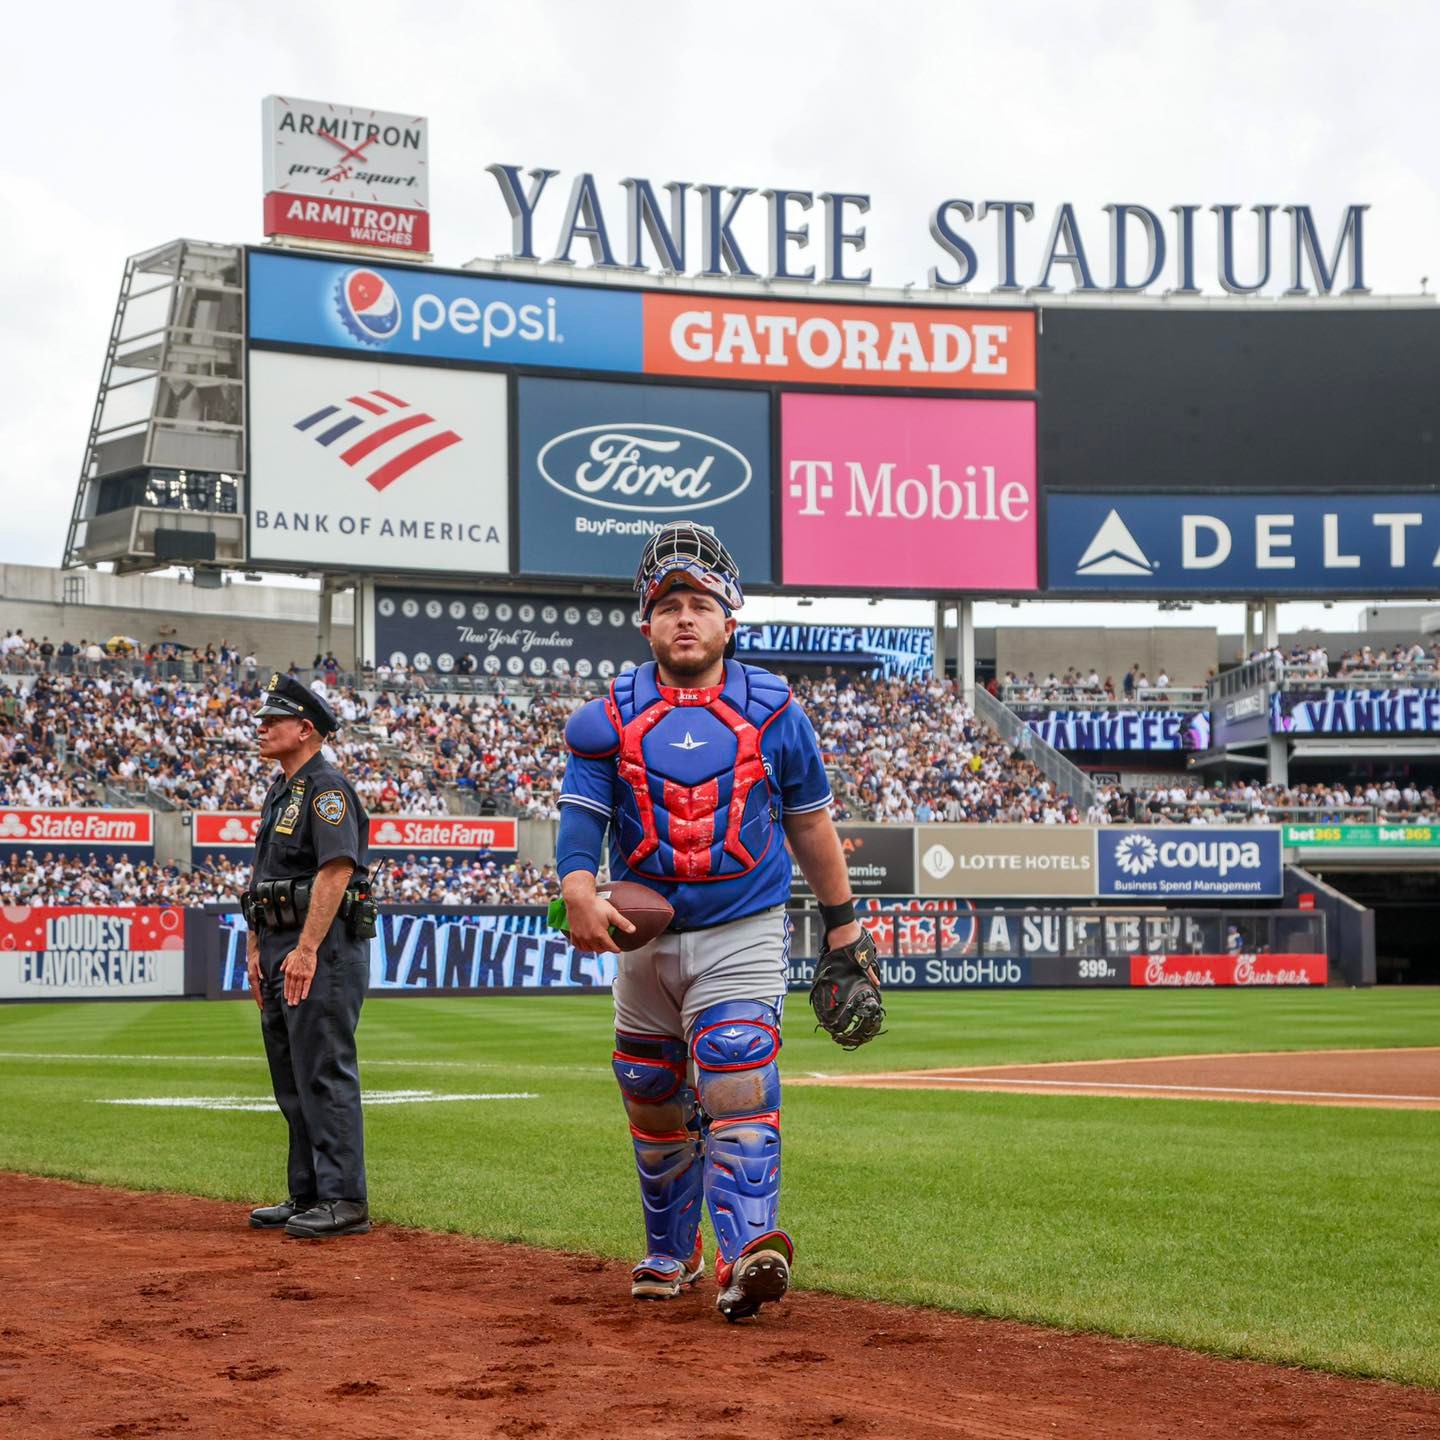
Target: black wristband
{"points": [[835, 916]]}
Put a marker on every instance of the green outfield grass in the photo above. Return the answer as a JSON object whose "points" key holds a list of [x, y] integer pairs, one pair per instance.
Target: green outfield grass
{"points": [[1292, 1233]]}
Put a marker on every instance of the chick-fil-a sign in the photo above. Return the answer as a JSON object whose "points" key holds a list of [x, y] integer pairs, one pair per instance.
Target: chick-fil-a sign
{"points": [[908, 494]]}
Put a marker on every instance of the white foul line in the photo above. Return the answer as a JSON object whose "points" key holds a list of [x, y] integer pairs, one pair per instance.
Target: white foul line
{"points": [[258, 1058], [260, 1104], [987, 1080]]}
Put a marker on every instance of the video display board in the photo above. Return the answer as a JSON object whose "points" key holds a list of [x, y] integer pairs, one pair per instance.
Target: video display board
{"points": [[1229, 397]]}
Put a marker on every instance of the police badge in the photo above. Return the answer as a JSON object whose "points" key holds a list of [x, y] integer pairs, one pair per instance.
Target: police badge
{"points": [[330, 807], [285, 825]]}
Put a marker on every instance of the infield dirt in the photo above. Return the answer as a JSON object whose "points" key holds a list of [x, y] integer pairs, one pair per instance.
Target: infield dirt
{"points": [[127, 1315]]}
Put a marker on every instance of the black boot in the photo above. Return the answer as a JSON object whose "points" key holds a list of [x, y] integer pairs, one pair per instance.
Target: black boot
{"points": [[272, 1217], [330, 1218]]}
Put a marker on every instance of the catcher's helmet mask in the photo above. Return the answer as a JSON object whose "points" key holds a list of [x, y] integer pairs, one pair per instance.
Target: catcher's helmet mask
{"points": [[686, 554]]}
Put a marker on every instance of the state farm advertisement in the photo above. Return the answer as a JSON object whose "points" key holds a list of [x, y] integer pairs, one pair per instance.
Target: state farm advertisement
{"points": [[232, 833], [1242, 969], [901, 346], [908, 494], [107, 832], [62, 952]]}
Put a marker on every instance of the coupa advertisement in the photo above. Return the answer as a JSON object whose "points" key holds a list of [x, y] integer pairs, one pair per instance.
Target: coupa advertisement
{"points": [[1344, 711], [507, 635], [396, 467], [896, 493], [385, 310], [1193, 862], [603, 466], [230, 834], [445, 951], [92, 952]]}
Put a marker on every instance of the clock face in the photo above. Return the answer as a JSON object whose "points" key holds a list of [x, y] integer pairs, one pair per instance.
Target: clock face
{"points": [[346, 153]]}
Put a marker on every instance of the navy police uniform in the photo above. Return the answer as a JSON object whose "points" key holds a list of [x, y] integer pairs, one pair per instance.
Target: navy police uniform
{"points": [[309, 819]]}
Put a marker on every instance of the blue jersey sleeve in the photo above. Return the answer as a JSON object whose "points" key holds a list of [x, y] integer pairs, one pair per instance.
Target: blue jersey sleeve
{"points": [[800, 772], [589, 783]]}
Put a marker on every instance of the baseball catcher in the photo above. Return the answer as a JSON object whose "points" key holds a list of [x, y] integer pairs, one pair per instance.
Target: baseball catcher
{"points": [[702, 768]]}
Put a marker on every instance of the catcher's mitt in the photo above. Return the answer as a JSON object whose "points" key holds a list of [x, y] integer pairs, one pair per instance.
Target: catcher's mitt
{"points": [[846, 993]]}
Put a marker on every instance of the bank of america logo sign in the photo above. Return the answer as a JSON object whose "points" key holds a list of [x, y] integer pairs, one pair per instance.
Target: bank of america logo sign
{"points": [[380, 432], [1136, 854], [1114, 551]]}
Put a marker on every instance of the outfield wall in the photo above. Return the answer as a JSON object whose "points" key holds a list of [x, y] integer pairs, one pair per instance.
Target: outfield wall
{"points": [[157, 952]]}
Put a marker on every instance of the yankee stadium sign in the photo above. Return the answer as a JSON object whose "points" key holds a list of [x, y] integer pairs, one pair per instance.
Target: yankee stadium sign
{"points": [[703, 229]]}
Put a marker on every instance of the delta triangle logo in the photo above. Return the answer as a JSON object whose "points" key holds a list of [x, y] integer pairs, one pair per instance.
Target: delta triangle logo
{"points": [[1114, 551]]}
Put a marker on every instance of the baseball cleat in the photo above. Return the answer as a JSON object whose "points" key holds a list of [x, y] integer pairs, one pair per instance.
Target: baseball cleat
{"points": [[662, 1277], [759, 1277]]}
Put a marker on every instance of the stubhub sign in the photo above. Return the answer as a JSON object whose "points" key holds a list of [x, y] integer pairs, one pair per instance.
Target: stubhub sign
{"points": [[1250, 544], [1212, 861], [382, 310]]}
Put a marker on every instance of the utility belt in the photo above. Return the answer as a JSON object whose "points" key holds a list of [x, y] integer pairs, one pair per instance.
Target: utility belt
{"points": [[283, 905]]}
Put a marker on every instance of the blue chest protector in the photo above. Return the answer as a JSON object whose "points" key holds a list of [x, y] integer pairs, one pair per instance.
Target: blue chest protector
{"points": [[695, 803]]}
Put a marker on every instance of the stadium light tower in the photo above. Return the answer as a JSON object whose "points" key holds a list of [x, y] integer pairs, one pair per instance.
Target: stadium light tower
{"points": [[165, 459]]}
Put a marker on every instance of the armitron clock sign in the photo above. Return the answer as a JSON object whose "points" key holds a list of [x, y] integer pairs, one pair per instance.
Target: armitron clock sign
{"points": [[346, 174]]}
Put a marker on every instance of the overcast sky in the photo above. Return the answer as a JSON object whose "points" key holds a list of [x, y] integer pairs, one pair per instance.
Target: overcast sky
{"points": [[128, 126]]}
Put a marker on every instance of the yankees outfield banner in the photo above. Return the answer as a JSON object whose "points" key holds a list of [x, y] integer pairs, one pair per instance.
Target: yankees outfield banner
{"points": [[107, 834], [54, 952], [1268, 545], [563, 636], [888, 651], [230, 834], [603, 466], [354, 463], [1343, 711], [1119, 729], [1191, 862], [429, 950]]}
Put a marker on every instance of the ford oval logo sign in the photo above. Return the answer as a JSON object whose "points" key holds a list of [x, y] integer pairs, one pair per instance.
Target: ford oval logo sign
{"points": [[644, 467]]}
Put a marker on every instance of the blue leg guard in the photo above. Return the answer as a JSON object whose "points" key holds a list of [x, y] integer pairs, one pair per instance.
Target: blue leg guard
{"points": [[665, 1127], [735, 1045]]}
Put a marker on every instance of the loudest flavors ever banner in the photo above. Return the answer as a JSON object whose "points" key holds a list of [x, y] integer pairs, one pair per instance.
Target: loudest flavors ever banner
{"points": [[908, 494], [54, 952]]}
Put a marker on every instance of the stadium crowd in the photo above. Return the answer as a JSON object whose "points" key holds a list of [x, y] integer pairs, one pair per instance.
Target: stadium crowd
{"points": [[913, 750], [1080, 688], [1183, 802]]}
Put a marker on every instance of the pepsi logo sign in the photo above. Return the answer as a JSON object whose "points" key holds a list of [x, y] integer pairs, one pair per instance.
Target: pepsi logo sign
{"points": [[369, 309], [643, 467]]}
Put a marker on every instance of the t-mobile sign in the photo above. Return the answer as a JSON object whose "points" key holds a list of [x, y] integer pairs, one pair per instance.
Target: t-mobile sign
{"points": [[908, 494]]}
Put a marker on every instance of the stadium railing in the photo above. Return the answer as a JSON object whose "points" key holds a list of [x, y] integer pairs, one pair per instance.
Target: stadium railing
{"points": [[1150, 697], [1066, 776]]}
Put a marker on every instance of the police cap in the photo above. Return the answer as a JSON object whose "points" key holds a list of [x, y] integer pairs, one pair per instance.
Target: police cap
{"points": [[285, 695]]}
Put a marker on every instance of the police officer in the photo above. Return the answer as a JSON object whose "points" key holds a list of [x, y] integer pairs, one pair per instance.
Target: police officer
{"points": [[308, 956]]}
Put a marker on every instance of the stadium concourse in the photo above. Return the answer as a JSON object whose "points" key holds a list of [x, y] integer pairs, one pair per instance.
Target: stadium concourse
{"points": [[81, 728]]}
